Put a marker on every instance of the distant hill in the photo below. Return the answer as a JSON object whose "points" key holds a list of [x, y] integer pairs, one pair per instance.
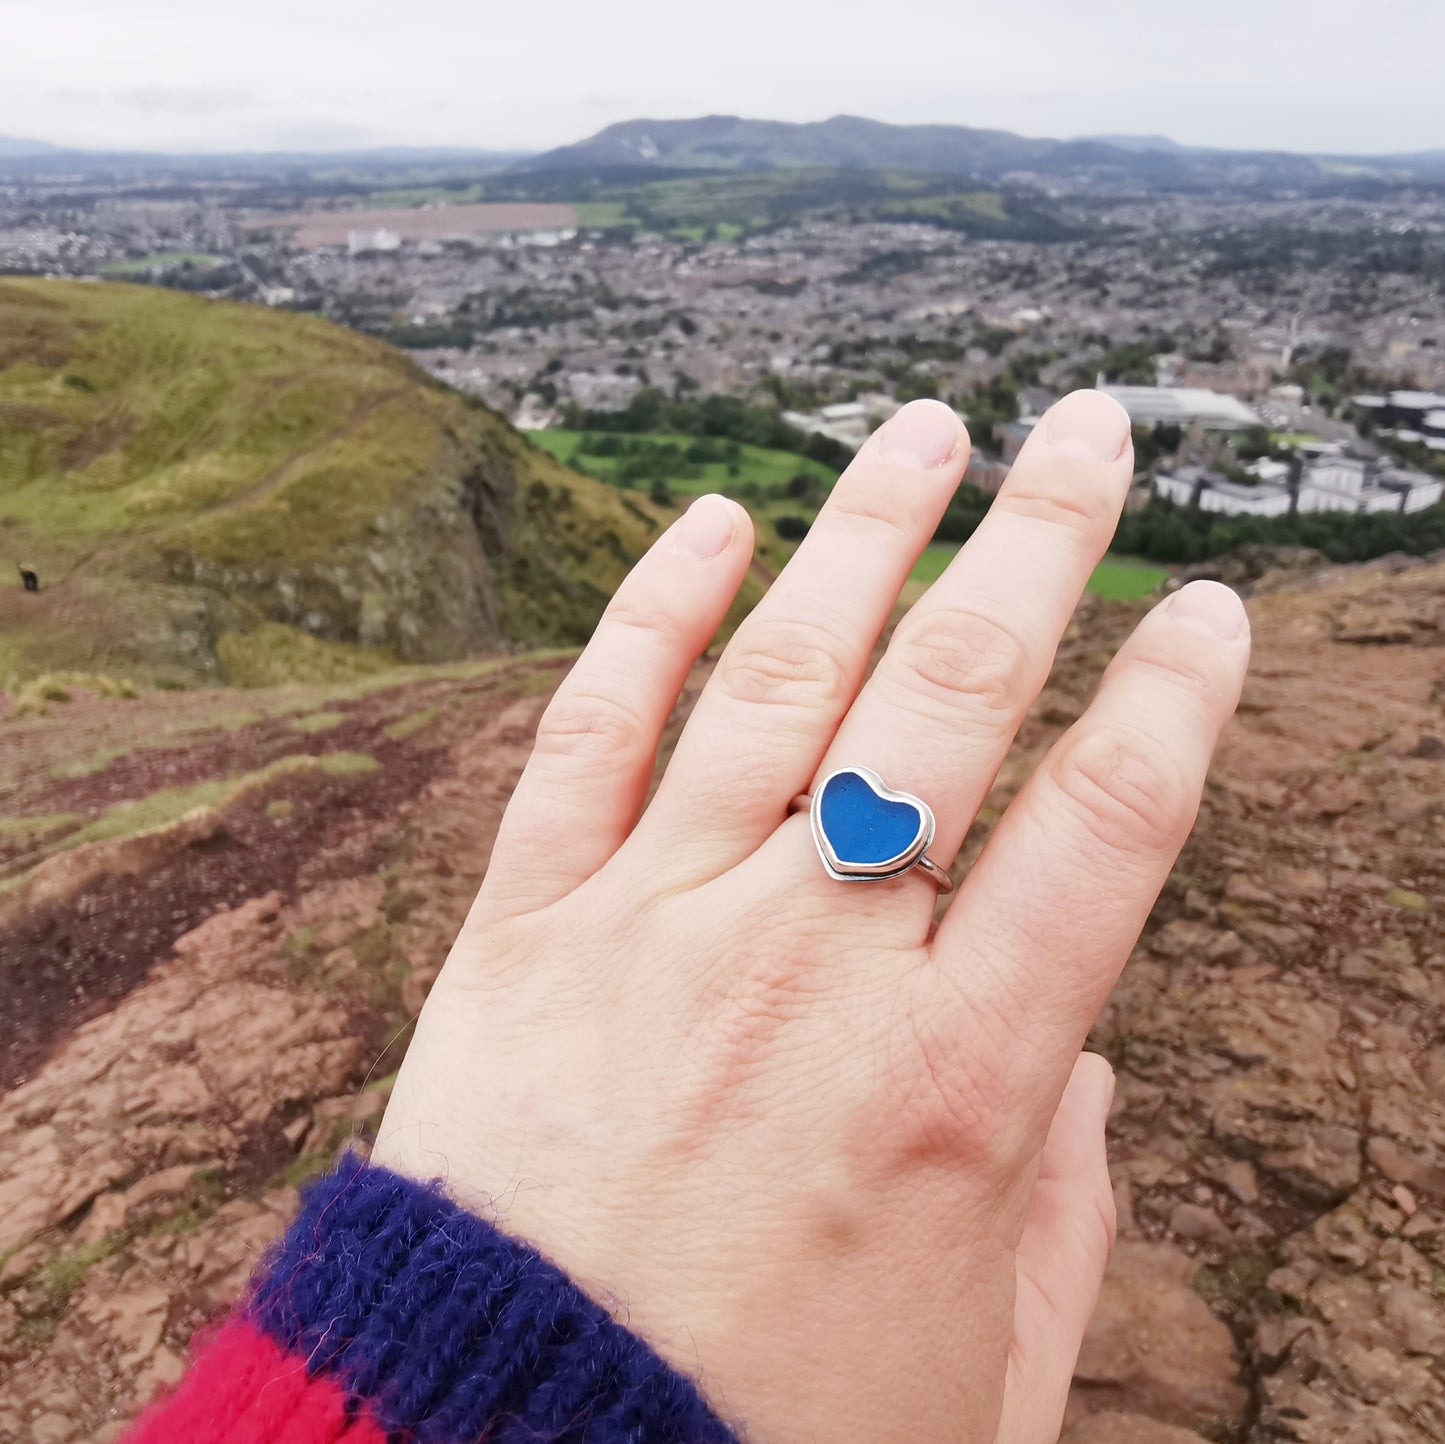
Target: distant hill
{"points": [[846, 142], [24, 157], [11, 147], [212, 491]]}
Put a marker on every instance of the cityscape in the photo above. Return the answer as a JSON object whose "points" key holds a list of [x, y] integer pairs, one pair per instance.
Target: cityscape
{"points": [[318, 469]]}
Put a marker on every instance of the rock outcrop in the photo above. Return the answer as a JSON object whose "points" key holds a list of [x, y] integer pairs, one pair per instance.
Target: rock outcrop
{"points": [[1278, 1134]]}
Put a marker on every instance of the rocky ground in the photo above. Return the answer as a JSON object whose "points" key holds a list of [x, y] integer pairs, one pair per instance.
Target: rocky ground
{"points": [[201, 1012]]}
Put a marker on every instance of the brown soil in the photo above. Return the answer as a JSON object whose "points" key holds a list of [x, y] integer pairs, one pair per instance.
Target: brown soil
{"points": [[184, 1045]]}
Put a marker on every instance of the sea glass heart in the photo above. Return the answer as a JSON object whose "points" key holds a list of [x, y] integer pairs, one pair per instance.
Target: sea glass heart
{"points": [[865, 829]]}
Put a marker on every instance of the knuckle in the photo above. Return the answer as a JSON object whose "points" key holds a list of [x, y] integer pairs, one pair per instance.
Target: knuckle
{"points": [[792, 664], [1178, 673], [871, 509], [649, 615], [956, 1101], [1127, 789], [586, 727], [958, 655], [1058, 500]]}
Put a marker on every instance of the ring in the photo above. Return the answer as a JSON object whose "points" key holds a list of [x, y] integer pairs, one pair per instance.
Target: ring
{"points": [[867, 832]]}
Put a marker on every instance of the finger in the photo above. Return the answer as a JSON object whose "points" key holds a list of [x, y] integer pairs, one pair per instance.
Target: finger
{"points": [[1060, 1261], [1050, 910], [596, 745], [792, 668], [938, 714]]}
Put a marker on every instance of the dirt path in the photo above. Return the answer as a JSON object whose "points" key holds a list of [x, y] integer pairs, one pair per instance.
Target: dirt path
{"points": [[266, 487]]}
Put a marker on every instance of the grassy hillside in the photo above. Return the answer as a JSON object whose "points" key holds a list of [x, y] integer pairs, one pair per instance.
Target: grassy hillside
{"points": [[225, 492]]}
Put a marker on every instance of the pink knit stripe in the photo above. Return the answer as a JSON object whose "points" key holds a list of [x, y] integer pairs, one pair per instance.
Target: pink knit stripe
{"points": [[242, 1388]]}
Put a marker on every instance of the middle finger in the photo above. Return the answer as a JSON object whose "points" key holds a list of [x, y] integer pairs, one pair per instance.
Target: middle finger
{"points": [[792, 668], [941, 709]]}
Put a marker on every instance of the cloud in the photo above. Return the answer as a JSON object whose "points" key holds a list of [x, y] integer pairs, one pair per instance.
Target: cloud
{"points": [[163, 99]]}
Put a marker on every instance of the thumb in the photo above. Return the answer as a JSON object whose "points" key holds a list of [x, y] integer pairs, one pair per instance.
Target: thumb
{"points": [[1062, 1253]]}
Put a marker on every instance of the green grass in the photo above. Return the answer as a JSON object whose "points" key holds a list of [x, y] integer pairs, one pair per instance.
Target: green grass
{"points": [[965, 206], [755, 479], [1294, 438], [410, 726], [21, 829], [603, 215], [319, 721], [170, 803], [1119, 578], [406, 198], [349, 764], [59, 1277], [756, 464], [157, 449], [1125, 579]]}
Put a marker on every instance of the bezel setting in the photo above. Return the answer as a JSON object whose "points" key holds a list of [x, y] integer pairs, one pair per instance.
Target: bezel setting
{"points": [[895, 866]]}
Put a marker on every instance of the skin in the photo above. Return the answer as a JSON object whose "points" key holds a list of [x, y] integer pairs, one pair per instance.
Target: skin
{"points": [[842, 1165]]}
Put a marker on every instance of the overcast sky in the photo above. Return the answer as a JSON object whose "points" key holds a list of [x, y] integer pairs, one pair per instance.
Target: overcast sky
{"points": [[527, 74]]}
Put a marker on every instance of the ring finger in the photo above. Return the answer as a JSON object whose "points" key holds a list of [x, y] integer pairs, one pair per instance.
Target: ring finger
{"points": [[940, 711], [793, 667]]}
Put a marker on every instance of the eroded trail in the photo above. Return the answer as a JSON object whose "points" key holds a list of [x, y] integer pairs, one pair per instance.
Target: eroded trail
{"points": [[199, 1035]]}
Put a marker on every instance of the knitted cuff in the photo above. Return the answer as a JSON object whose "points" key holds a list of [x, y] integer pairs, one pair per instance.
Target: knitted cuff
{"points": [[398, 1315]]}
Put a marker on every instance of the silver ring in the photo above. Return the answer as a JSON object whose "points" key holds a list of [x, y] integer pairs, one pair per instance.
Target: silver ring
{"points": [[866, 832]]}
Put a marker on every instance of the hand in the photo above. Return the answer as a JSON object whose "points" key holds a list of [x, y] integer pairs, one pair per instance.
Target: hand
{"points": [[845, 1170]]}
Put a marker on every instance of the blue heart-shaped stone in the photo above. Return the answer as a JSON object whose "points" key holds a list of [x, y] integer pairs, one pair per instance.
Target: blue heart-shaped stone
{"points": [[863, 828]]}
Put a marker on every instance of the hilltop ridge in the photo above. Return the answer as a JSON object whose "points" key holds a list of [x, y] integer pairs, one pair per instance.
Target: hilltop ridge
{"points": [[219, 492], [850, 142]]}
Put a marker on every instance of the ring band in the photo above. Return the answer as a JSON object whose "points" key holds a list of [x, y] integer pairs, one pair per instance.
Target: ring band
{"points": [[865, 831]]}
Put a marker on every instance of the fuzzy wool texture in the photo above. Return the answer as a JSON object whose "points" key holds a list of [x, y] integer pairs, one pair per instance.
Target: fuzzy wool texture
{"points": [[388, 1312], [244, 1389]]}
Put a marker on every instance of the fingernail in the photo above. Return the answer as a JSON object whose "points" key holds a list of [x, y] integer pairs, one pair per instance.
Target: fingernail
{"points": [[1106, 1099], [1087, 425], [705, 528], [923, 434], [1209, 607]]}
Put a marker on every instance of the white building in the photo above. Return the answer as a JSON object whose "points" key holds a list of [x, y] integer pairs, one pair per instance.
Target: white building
{"points": [[1197, 486], [361, 242], [1183, 406], [1336, 483]]}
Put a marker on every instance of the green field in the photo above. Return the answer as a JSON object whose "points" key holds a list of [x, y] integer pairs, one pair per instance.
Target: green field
{"points": [[757, 476], [755, 464], [1123, 579], [967, 205]]}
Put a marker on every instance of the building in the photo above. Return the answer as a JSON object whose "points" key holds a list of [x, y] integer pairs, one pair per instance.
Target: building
{"points": [[364, 242], [1183, 406], [850, 422], [1209, 491], [1336, 483], [985, 473], [1010, 437], [1417, 416]]}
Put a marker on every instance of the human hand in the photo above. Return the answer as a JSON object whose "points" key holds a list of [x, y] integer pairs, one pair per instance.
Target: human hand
{"points": [[847, 1171]]}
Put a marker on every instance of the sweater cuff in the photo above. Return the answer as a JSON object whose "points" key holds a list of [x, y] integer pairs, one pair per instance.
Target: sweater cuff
{"points": [[392, 1312]]}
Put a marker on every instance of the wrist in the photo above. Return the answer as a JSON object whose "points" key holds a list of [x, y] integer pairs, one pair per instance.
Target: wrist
{"points": [[423, 1321]]}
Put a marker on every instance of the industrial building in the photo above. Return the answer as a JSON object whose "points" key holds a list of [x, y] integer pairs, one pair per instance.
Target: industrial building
{"points": [[1183, 406]]}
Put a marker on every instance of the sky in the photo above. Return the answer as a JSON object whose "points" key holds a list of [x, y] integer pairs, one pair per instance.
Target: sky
{"points": [[1318, 75]]}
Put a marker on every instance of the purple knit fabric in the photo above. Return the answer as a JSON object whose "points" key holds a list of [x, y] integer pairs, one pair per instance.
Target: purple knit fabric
{"points": [[449, 1332]]}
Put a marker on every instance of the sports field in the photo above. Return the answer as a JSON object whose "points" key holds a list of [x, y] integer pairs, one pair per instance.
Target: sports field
{"points": [[1119, 577]]}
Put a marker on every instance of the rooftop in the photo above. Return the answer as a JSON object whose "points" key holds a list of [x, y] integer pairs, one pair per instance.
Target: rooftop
{"points": [[1183, 404]]}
